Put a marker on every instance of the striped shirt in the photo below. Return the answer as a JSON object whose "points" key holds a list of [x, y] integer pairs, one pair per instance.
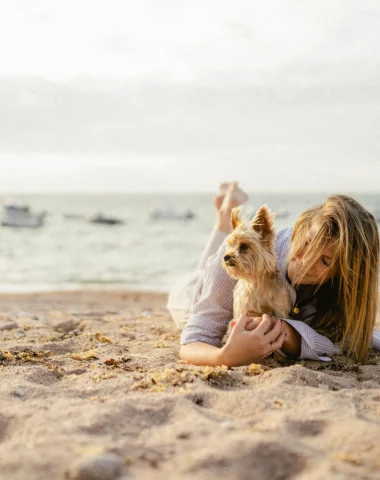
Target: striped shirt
{"points": [[212, 307]]}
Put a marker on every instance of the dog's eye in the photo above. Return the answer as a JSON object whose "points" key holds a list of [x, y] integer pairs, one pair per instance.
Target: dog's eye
{"points": [[244, 247]]}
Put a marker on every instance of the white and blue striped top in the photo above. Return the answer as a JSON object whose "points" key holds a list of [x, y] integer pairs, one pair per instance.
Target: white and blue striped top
{"points": [[212, 308]]}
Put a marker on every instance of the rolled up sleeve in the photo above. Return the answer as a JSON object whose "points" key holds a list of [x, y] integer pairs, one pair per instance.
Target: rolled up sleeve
{"points": [[314, 346], [376, 340]]}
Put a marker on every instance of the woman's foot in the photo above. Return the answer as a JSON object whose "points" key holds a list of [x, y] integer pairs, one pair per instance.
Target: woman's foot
{"points": [[218, 200], [224, 204]]}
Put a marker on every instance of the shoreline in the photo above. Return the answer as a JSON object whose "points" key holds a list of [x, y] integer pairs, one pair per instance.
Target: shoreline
{"points": [[93, 291], [9, 290]]}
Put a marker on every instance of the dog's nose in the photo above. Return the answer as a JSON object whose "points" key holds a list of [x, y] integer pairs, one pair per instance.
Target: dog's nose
{"points": [[227, 258]]}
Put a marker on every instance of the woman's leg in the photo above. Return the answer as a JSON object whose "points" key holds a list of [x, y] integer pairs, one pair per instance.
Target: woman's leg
{"points": [[188, 288], [229, 197]]}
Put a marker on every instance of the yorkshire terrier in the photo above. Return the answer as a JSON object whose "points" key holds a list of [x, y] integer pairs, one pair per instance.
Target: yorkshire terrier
{"points": [[250, 257]]}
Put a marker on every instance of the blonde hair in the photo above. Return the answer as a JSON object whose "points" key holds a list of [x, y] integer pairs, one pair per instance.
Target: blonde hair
{"points": [[352, 230]]}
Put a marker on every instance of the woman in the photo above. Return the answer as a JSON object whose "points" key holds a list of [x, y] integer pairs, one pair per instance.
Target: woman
{"points": [[331, 260]]}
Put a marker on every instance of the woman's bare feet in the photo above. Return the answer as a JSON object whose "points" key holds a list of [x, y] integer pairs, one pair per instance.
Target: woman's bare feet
{"points": [[224, 204], [218, 200]]}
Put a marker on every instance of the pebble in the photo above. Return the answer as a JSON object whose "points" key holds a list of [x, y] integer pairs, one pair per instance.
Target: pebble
{"points": [[226, 424], [19, 393], [20, 333], [97, 467], [64, 326], [8, 326]]}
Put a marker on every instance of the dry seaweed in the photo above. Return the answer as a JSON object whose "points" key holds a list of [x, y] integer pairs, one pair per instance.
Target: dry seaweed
{"points": [[348, 458], [27, 355], [83, 356], [103, 376], [254, 369], [119, 363], [58, 371], [102, 338], [158, 381]]}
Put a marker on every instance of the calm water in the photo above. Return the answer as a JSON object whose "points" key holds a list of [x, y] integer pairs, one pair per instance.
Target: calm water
{"points": [[142, 254]]}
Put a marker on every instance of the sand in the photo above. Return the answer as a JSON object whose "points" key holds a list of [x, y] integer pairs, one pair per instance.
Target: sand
{"points": [[88, 374]]}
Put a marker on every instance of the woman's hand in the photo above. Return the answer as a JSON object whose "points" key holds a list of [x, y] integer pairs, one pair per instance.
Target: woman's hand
{"points": [[292, 343], [255, 321], [247, 346]]}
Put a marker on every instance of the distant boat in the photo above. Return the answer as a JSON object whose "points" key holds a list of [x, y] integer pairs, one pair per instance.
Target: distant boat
{"points": [[103, 219], [168, 213], [281, 213], [278, 212], [20, 215], [74, 216]]}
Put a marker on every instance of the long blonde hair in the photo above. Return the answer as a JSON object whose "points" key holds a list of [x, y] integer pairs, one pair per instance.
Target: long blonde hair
{"points": [[351, 314]]}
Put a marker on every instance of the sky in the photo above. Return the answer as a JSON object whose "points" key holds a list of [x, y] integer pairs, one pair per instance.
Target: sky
{"points": [[178, 96]]}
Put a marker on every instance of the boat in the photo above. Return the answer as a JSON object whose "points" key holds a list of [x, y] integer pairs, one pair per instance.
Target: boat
{"points": [[168, 213], [19, 215], [103, 219], [281, 213], [74, 216]]}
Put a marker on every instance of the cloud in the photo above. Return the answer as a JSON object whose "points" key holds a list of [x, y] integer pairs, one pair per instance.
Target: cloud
{"points": [[130, 118], [189, 85]]}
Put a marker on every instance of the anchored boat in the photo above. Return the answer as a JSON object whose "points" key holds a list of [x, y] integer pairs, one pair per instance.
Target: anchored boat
{"points": [[20, 215]]}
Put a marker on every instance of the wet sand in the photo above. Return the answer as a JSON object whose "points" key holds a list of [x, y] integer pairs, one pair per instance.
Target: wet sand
{"points": [[94, 377]]}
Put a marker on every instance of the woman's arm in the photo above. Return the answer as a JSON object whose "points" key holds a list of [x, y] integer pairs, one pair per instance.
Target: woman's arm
{"points": [[311, 344], [301, 341], [199, 353], [242, 348], [292, 345], [376, 340]]}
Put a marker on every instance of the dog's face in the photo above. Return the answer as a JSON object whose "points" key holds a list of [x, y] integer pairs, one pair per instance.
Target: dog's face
{"points": [[250, 247]]}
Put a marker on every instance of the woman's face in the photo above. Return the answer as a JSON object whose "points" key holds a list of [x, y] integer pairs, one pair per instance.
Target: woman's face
{"points": [[321, 271]]}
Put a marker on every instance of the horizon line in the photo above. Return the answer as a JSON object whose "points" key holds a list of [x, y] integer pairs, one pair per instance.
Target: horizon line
{"points": [[188, 192]]}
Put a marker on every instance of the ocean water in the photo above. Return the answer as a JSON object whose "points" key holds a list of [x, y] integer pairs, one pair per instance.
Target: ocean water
{"points": [[142, 254]]}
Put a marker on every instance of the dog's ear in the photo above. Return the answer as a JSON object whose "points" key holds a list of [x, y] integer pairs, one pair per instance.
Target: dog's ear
{"points": [[263, 222], [235, 217]]}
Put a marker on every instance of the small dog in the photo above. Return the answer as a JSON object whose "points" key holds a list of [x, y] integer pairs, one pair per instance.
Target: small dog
{"points": [[250, 257]]}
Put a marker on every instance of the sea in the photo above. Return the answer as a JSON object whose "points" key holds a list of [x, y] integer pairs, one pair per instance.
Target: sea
{"points": [[143, 253]]}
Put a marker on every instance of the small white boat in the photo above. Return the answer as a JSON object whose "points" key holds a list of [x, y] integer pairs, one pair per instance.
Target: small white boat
{"points": [[278, 212], [281, 212], [168, 213], [20, 215]]}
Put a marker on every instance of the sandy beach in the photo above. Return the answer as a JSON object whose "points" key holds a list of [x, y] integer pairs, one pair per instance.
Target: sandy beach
{"points": [[91, 387]]}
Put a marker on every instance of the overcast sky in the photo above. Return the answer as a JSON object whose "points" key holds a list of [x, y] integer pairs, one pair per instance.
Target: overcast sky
{"points": [[172, 95]]}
